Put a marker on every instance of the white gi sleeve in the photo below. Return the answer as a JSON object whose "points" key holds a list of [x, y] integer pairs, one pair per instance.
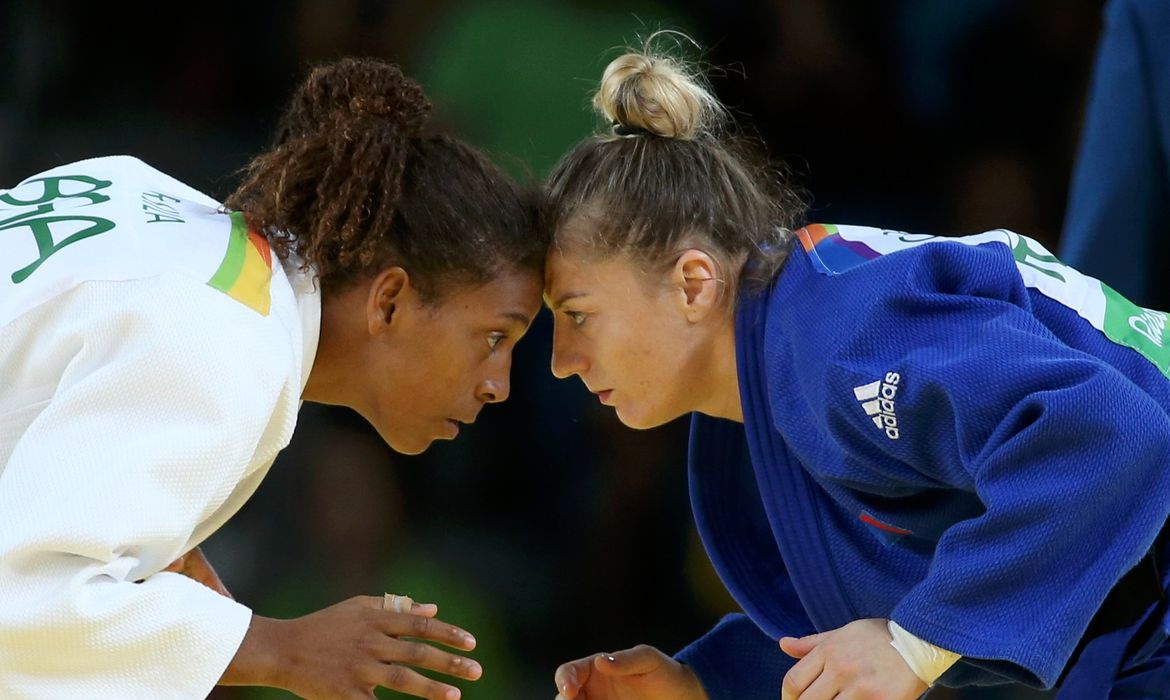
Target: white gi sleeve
{"points": [[166, 389]]}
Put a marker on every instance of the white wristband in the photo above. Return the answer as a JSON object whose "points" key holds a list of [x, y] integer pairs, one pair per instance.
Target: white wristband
{"points": [[927, 661]]}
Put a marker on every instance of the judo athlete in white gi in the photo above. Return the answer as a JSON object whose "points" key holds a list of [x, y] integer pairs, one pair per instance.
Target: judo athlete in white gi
{"points": [[155, 347]]}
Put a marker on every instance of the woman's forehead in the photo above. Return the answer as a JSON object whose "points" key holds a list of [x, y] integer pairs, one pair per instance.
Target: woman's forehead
{"points": [[564, 273], [573, 265], [569, 274]]}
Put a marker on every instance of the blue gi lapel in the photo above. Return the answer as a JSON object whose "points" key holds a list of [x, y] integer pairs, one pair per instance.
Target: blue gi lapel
{"points": [[790, 493], [735, 531]]}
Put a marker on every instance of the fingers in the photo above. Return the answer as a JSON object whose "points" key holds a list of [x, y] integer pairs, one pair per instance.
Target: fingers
{"points": [[421, 627], [404, 680], [405, 604], [800, 647], [428, 657], [801, 676], [823, 688], [380, 603], [573, 676], [638, 660]]}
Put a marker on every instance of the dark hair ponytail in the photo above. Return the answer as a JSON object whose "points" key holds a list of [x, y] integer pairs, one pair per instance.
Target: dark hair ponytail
{"points": [[351, 185]]}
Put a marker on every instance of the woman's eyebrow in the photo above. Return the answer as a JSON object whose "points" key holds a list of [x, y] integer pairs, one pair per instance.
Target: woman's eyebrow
{"points": [[518, 316], [554, 305]]}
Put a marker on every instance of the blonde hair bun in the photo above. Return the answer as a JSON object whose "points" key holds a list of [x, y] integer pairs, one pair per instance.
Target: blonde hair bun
{"points": [[658, 94]]}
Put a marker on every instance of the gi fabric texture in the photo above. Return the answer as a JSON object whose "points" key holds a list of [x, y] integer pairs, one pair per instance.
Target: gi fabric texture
{"points": [[153, 355], [962, 435]]}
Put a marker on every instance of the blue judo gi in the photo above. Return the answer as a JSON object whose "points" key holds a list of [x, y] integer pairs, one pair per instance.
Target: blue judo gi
{"points": [[959, 434]]}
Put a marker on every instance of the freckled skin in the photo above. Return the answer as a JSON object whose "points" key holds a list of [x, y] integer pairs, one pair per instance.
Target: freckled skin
{"points": [[624, 330]]}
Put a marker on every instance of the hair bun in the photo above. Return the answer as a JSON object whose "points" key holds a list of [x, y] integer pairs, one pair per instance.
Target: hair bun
{"points": [[358, 87], [657, 94]]}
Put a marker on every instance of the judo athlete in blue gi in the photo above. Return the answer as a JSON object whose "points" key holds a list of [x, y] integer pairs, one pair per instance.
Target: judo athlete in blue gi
{"points": [[913, 459]]}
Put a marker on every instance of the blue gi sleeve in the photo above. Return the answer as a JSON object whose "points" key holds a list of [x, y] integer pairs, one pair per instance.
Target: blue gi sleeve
{"points": [[1067, 455], [736, 661]]}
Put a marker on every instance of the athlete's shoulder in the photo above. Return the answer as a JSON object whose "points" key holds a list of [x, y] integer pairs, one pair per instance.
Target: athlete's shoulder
{"points": [[115, 219], [109, 174], [861, 289], [835, 249]]}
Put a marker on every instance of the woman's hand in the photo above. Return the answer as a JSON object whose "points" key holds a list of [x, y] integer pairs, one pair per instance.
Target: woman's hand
{"points": [[854, 661], [194, 565], [641, 673], [345, 651]]}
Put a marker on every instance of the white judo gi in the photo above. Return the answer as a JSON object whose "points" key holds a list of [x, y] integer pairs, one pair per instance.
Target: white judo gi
{"points": [[152, 358]]}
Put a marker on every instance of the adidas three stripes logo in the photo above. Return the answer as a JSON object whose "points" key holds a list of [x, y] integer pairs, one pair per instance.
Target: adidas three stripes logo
{"points": [[877, 400]]}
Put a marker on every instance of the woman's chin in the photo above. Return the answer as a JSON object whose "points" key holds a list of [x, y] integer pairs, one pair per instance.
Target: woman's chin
{"points": [[412, 449], [635, 420], [406, 444]]}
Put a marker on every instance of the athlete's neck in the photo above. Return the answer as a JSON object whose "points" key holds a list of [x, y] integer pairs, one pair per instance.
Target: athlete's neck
{"points": [[719, 378]]}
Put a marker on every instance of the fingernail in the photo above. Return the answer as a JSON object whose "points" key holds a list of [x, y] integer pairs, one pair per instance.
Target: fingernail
{"points": [[474, 669], [453, 694], [469, 641]]}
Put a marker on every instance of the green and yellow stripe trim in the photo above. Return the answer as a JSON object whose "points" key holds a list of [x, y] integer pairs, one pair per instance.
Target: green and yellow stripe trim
{"points": [[246, 271]]}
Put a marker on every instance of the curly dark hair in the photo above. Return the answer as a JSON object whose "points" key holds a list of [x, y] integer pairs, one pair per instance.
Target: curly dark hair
{"points": [[351, 185]]}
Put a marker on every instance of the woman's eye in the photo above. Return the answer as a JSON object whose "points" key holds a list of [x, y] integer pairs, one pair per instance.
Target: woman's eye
{"points": [[494, 339], [577, 317]]}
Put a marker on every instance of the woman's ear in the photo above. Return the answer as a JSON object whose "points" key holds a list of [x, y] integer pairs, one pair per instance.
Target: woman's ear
{"points": [[696, 276], [388, 291]]}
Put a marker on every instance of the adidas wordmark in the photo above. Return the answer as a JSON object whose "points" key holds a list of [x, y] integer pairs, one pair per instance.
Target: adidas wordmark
{"points": [[877, 398]]}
